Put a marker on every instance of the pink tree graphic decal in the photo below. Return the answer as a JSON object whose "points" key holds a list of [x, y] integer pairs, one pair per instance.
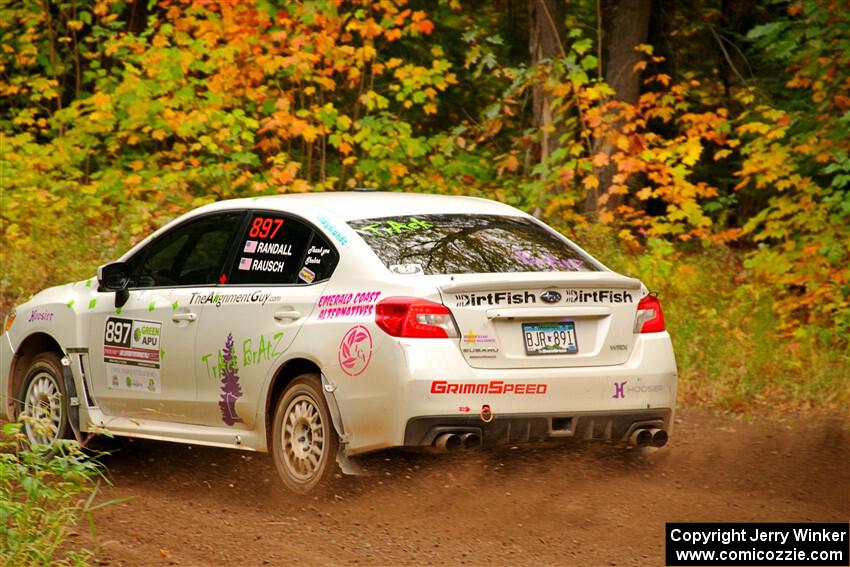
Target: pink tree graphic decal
{"points": [[230, 388]]}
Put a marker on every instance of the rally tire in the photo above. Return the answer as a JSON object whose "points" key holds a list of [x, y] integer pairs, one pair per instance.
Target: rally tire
{"points": [[304, 441], [43, 396]]}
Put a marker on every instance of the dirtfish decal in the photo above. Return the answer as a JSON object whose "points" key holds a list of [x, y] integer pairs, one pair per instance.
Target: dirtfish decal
{"points": [[597, 296], [494, 298]]}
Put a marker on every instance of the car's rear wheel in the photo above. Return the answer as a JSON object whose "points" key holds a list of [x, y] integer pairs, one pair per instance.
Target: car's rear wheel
{"points": [[304, 442], [44, 402]]}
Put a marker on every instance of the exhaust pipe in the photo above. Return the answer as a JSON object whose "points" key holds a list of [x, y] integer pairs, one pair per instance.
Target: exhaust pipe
{"points": [[470, 440], [641, 438], [448, 442], [659, 437]]}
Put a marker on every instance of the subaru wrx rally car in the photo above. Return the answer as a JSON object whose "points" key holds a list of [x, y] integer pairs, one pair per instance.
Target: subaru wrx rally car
{"points": [[321, 326]]}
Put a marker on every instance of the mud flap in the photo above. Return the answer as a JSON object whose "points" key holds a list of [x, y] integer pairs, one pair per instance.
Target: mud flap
{"points": [[346, 464], [73, 400]]}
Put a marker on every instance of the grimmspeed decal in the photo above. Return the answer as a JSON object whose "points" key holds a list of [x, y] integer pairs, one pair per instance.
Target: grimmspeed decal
{"points": [[597, 296], [494, 298], [131, 352], [493, 388]]}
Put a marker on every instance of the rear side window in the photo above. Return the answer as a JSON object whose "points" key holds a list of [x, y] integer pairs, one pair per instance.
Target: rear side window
{"points": [[278, 249], [319, 262], [465, 244]]}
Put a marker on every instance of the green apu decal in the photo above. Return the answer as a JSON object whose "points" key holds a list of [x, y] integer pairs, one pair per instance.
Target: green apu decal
{"points": [[390, 227]]}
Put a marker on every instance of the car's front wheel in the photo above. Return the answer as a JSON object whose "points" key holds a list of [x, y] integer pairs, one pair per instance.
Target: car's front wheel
{"points": [[43, 401], [304, 442]]}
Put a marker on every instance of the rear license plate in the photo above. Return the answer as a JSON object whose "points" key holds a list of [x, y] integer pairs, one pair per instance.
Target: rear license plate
{"points": [[550, 338]]}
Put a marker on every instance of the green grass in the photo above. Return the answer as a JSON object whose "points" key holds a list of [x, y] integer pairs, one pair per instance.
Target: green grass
{"points": [[43, 496]]}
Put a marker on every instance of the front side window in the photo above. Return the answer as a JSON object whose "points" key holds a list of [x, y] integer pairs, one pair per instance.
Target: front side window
{"points": [[467, 244], [277, 249], [191, 254]]}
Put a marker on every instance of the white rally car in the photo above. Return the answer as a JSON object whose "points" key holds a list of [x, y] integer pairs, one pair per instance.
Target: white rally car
{"points": [[320, 326]]}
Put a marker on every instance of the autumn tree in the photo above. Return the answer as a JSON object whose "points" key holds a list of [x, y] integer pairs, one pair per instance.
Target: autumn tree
{"points": [[547, 32], [625, 27]]}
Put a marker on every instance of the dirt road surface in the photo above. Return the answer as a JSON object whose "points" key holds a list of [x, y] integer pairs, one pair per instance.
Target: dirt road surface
{"points": [[573, 505]]}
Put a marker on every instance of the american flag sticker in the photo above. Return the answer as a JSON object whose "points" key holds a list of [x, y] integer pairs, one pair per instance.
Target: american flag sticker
{"points": [[307, 275], [245, 263], [250, 246]]}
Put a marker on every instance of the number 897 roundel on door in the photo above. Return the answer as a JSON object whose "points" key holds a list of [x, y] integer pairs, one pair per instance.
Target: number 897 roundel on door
{"points": [[321, 326]]}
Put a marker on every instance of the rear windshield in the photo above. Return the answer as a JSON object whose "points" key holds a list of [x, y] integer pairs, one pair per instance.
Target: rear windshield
{"points": [[467, 244]]}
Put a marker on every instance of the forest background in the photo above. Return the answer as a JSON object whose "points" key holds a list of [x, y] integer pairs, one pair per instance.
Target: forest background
{"points": [[701, 146]]}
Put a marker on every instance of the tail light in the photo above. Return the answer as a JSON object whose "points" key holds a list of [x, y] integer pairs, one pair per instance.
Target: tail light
{"points": [[412, 317], [649, 318]]}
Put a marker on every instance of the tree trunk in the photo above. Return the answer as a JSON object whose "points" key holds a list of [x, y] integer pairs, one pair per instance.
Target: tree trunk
{"points": [[625, 25], [545, 41]]}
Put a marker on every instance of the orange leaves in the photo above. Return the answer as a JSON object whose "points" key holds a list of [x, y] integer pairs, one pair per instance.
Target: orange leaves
{"points": [[600, 160], [101, 100], [284, 174], [633, 161], [397, 170], [644, 193], [510, 163], [370, 29], [421, 23], [591, 182], [425, 27]]}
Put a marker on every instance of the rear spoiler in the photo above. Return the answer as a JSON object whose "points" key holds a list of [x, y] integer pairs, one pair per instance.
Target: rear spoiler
{"points": [[523, 280]]}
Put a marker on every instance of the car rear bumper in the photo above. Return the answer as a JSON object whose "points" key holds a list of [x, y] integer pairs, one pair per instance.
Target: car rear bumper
{"points": [[517, 428], [432, 387]]}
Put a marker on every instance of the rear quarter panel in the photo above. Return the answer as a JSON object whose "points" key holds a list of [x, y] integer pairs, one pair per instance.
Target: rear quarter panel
{"points": [[342, 327]]}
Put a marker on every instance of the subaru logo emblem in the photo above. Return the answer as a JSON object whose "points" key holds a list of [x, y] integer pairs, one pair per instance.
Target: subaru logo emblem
{"points": [[550, 296]]}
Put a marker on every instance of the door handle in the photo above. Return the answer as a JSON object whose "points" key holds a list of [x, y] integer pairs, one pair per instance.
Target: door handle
{"points": [[287, 314], [177, 317]]}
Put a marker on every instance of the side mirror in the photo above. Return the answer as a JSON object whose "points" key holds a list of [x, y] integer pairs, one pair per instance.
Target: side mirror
{"points": [[115, 276]]}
